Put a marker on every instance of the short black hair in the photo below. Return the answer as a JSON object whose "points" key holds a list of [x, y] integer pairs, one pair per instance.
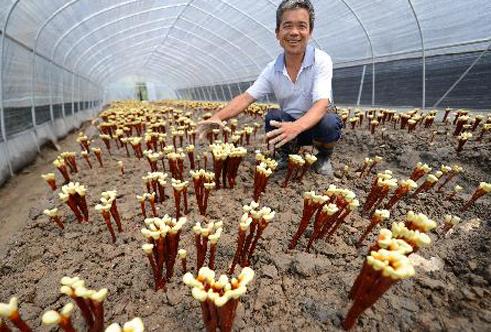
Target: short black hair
{"points": [[294, 4]]}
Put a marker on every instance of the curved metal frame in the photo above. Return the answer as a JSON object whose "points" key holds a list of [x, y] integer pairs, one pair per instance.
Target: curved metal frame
{"points": [[461, 77], [2, 87], [178, 74], [118, 20], [58, 42], [369, 43], [225, 40], [187, 65], [110, 37], [88, 18], [129, 2], [168, 31], [94, 67], [81, 56], [198, 50], [36, 39], [188, 75], [423, 53], [84, 59], [271, 55]]}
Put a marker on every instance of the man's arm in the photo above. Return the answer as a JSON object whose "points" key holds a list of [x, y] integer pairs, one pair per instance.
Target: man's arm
{"points": [[234, 107], [289, 130], [313, 115]]}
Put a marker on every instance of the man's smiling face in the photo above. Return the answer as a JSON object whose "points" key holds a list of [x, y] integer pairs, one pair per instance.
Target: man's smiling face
{"points": [[294, 31]]}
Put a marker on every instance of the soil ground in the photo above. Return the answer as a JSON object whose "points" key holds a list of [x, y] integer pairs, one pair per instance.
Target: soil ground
{"points": [[292, 289]]}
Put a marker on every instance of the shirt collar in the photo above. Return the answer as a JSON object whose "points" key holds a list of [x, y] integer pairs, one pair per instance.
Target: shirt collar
{"points": [[308, 59]]}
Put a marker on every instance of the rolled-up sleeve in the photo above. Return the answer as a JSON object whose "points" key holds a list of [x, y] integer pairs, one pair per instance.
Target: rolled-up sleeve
{"points": [[322, 87], [262, 85]]}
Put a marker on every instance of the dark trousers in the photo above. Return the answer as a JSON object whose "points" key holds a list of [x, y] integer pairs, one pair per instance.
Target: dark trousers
{"points": [[327, 130]]}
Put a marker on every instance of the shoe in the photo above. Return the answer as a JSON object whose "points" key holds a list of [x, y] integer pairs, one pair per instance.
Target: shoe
{"points": [[323, 163], [283, 153]]}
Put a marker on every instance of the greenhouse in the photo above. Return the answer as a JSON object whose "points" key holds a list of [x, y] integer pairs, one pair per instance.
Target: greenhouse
{"points": [[245, 165]]}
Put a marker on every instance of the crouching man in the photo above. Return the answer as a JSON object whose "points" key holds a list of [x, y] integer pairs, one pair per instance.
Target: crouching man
{"points": [[300, 78]]}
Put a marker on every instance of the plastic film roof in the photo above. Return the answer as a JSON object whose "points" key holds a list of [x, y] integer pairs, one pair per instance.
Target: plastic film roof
{"points": [[185, 43]]}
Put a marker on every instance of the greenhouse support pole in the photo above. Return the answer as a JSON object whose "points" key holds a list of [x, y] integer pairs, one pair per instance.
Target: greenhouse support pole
{"points": [[230, 92], [223, 92], [362, 80], [202, 91], [369, 44], [373, 82], [423, 55], [73, 95], [2, 92], [33, 107], [216, 93], [63, 111], [462, 76], [201, 96], [50, 91]]}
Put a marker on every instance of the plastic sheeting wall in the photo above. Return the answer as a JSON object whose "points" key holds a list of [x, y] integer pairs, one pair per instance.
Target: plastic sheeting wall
{"points": [[397, 83]]}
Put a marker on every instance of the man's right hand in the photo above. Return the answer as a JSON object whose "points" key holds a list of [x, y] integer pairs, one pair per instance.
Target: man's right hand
{"points": [[206, 126]]}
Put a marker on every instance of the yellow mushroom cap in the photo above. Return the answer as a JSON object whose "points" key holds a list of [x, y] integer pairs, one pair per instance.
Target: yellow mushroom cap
{"points": [[245, 222], [182, 253], [485, 186], [421, 221], [48, 176], [381, 214], [354, 204], [409, 184], [100, 295], [189, 280], [7, 309], [67, 290], [51, 317], [392, 264], [67, 309], [51, 213], [134, 325], [246, 275], [199, 294], [114, 327], [147, 248], [432, 178], [68, 281], [453, 220], [399, 230]]}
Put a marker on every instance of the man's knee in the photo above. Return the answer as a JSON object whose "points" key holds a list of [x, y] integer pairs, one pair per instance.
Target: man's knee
{"points": [[329, 128]]}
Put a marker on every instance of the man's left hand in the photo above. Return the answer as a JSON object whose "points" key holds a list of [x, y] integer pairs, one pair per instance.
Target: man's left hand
{"points": [[285, 133]]}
